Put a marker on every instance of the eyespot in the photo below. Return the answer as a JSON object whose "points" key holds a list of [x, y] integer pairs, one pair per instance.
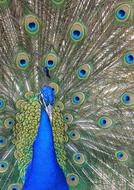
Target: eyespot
{"points": [[84, 71], [68, 118], [55, 86], [51, 61], [59, 105], [74, 135], [129, 58], [79, 158], [14, 187], [123, 12], [77, 32], [9, 123], [31, 24], [78, 98], [22, 60], [3, 142], [127, 99], [105, 122], [3, 166], [121, 156], [2, 104], [72, 179]]}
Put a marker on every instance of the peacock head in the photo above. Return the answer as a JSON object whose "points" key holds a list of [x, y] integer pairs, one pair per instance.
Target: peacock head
{"points": [[47, 99]]}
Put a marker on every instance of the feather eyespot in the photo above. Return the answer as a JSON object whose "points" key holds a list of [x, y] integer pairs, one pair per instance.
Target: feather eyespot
{"points": [[72, 179], [3, 142], [14, 187], [123, 12], [22, 61], [68, 118], [2, 104], [79, 158], [31, 24], [74, 135], [51, 61], [127, 99], [3, 166], [121, 156], [9, 123], [55, 86], [77, 32], [78, 98], [128, 58], [84, 71], [105, 122]]}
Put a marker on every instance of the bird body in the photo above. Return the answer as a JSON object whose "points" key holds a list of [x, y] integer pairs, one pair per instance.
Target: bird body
{"points": [[66, 95]]}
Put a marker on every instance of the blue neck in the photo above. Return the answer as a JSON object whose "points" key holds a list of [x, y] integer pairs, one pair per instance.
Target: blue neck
{"points": [[44, 169]]}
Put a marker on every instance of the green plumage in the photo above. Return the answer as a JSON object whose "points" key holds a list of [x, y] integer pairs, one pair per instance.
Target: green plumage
{"points": [[88, 47]]}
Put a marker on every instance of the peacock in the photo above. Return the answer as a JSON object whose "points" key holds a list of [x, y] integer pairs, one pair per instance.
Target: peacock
{"points": [[66, 95]]}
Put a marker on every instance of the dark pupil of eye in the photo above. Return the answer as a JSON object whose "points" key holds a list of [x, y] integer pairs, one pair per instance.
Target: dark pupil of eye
{"points": [[83, 72], [10, 122], [2, 166], [131, 58], [120, 155], [78, 157], [77, 98], [122, 13], [14, 189], [104, 121], [1, 141], [32, 25], [0, 103], [50, 62], [127, 98], [72, 178], [66, 118], [76, 33], [73, 134], [22, 61]]}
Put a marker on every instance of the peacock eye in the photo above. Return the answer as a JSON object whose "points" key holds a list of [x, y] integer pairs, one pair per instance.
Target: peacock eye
{"points": [[72, 179], [15, 187], [127, 99], [123, 12], [31, 24], [129, 58], [104, 122], [84, 71], [55, 86], [74, 135], [3, 142], [78, 98], [9, 122], [3, 166], [51, 61], [77, 32], [60, 106], [68, 118], [2, 104], [79, 158], [22, 60], [121, 156]]}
